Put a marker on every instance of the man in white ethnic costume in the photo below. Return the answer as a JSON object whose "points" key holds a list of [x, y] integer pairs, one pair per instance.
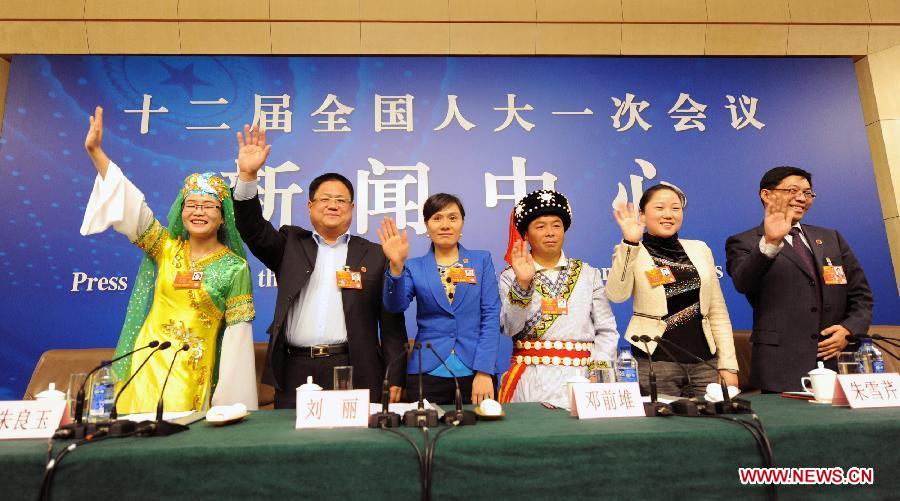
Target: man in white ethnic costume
{"points": [[554, 307]]}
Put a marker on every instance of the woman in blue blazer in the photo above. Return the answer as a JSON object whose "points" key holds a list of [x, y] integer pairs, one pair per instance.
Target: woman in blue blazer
{"points": [[457, 304]]}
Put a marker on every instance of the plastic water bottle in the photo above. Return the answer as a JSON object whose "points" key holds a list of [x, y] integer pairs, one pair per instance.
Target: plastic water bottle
{"points": [[869, 358], [103, 394], [626, 367]]}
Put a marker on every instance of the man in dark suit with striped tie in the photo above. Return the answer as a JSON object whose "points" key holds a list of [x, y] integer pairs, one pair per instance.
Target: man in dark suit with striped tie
{"points": [[807, 290]]}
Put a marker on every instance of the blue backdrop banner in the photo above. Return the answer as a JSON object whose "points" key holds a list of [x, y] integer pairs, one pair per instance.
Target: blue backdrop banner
{"points": [[488, 129]]}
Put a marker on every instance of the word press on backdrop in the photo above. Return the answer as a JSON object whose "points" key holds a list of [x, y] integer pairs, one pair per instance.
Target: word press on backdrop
{"points": [[401, 128]]}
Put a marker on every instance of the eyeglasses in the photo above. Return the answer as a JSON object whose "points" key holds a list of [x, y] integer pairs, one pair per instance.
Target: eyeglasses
{"points": [[191, 207], [796, 191], [340, 202]]}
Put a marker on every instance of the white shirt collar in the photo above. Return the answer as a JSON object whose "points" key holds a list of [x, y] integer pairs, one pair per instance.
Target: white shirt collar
{"points": [[343, 239], [559, 264]]}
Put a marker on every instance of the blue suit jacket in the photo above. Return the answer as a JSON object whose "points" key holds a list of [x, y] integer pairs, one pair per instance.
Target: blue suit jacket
{"points": [[470, 325]]}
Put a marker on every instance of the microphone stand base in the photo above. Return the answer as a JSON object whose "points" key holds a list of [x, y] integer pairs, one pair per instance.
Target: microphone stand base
{"points": [[121, 428], [76, 430], [652, 409], [160, 428], [419, 418], [384, 420], [460, 418], [741, 406], [685, 407], [735, 406]]}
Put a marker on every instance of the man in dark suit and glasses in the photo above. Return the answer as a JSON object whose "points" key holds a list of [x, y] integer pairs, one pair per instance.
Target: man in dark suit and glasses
{"points": [[329, 306], [807, 290]]}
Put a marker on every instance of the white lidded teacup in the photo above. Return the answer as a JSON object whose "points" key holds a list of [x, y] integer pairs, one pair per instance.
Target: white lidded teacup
{"points": [[821, 383]]}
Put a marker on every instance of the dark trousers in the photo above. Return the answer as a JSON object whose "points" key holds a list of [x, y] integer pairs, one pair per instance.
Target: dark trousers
{"points": [[670, 378], [298, 368], [438, 390]]}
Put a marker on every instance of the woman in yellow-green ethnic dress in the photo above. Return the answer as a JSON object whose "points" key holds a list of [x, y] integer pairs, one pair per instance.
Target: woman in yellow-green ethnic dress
{"points": [[193, 288]]}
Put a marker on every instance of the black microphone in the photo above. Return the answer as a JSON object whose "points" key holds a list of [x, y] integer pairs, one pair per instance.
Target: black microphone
{"points": [[159, 405], [79, 399], [385, 418], [421, 416], [852, 338], [687, 374], [653, 408], [652, 375], [859, 337], [78, 429], [160, 428], [684, 406], [459, 416], [115, 413], [726, 406]]}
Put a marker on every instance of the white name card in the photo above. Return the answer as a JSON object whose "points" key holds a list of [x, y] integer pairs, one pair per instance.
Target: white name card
{"points": [[30, 418], [332, 409], [863, 391], [605, 400]]}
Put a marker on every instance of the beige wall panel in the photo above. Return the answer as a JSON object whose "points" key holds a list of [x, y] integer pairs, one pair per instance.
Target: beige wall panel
{"points": [[315, 9], [884, 67], [41, 9], [488, 38], [404, 10], [4, 84], [225, 38], [893, 234], [405, 38], [670, 39], [43, 37], [223, 9], [884, 11], [579, 39], [748, 11], [315, 38], [883, 37], [746, 39], [809, 40], [131, 9], [133, 38], [492, 10], [883, 148], [829, 11], [664, 10], [866, 91], [579, 10]]}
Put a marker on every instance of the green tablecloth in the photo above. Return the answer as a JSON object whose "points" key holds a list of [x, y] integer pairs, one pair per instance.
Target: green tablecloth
{"points": [[533, 453]]}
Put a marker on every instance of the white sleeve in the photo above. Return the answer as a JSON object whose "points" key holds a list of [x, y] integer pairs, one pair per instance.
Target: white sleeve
{"points": [[245, 190], [768, 249], [516, 304], [116, 202], [237, 368], [606, 337]]}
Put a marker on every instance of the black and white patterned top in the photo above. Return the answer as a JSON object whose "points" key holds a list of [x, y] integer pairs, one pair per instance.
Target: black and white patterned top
{"points": [[684, 323]]}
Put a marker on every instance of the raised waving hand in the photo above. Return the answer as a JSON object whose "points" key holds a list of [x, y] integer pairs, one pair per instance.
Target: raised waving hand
{"points": [[394, 244], [92, 142], [629, 221], [252, 152]]}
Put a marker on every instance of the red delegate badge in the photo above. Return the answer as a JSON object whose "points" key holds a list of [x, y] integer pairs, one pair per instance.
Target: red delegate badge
{"points": [[347, 279], [463, 276], [660, 276], [188, 280]]}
